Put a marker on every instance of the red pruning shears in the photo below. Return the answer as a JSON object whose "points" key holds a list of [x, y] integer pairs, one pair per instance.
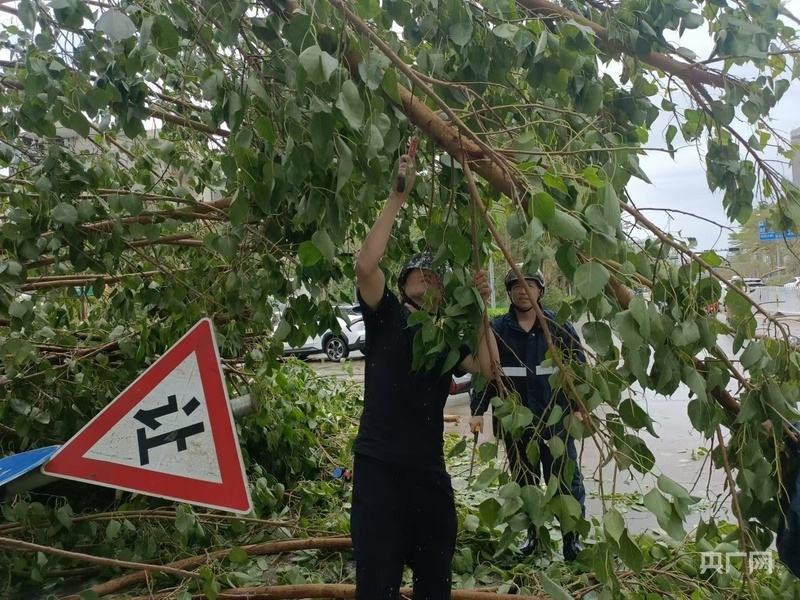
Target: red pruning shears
{"points": [[412, 150]]}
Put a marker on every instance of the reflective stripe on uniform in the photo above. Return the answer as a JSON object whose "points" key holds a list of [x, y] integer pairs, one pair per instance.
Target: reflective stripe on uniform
{"points": [[515, 371]]}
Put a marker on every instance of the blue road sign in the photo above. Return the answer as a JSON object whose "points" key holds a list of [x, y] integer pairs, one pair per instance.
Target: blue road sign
{"points": [[767, 235], [17, 465]]}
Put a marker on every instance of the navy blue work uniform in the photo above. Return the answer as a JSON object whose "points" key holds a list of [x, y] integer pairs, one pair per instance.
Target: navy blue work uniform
{"points": [[403, 505], [521, 354], [788, 540]]}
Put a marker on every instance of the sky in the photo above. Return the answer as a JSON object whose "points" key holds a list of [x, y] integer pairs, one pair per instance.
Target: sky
{"points": [[681, 184]]}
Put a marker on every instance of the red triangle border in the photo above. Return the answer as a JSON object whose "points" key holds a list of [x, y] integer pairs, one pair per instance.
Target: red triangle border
{"points": [[231, 494]]}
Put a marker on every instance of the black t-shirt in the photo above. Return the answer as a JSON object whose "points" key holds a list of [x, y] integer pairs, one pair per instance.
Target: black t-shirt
{"points": [[403, 420]]}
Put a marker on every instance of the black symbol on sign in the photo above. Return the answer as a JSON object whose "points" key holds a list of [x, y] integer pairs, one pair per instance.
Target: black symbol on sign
{"points": [[150, 419]]}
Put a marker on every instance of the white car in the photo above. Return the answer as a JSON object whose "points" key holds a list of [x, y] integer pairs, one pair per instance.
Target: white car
{"points": [[795, 282], [754, 282], [335, 346]]}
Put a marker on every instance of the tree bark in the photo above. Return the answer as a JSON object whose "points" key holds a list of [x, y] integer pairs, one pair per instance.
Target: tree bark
{"points": [[127, 581]]}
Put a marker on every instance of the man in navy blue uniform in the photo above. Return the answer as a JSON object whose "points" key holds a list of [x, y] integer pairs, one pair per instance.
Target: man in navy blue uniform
{"points": [[522, 348], [403, 505]]}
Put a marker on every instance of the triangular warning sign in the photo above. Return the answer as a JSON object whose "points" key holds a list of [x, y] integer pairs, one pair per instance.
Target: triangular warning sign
{"points": [[169, 434]]}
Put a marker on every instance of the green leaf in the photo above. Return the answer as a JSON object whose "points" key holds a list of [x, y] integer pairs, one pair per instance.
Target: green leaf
{"points": [[323, 242], [18, 309], [228, 246], [566, 226], [533, 500], [451, 360], [752, 354], [541, 45], [516, 225], [694, 381], [692, 21], [389, 85], [240, 209], [603, 562], [635, 416], [489, 511], [532, 451], [308, 254], [166, 36], [553, 590], [112, 529], [611, 208], [132, 204], [593, 99], [638, 308], [506, 31], [510, 507], [318, 64], [712, 258], [486, 478], [77, 122], [459, 244], [598, 336], [665, 514], [471, 523], [685, 334], [461, 33], [238, 555], [64, 516], [544, 206], [116, 25], [630, 553], [184, 521], [487, 451], [351, 106], [458, 448], [556, 445], [255, 86], [640, 455], [674, 489], [27, 14], [345, 169], [265, 129], [244, 137], [613, 524], [591, 279], [283, 330], [65, 213], [738, 304]]}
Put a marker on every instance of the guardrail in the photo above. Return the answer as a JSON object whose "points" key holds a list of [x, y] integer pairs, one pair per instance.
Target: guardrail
{"points": [[778, 300]]}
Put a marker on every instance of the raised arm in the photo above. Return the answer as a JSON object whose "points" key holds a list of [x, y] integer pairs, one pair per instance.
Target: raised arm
{"points": [[488, 356], [369, 277]]}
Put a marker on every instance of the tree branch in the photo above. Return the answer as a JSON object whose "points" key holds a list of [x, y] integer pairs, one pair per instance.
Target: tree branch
{"points": [[691, 73], [142, 567], [279, 547]]}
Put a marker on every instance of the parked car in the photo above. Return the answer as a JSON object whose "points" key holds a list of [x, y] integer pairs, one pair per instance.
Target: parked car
{"points": [[794, 282], [460, 384], [335, 346], [754, 282]]}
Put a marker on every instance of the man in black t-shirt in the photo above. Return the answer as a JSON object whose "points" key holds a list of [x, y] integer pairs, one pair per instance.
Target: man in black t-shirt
{"points": [[403, 508]]}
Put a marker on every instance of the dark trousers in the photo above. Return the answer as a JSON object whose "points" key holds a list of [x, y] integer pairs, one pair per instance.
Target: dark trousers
{"points": [[527, 473], [401, 516]]}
